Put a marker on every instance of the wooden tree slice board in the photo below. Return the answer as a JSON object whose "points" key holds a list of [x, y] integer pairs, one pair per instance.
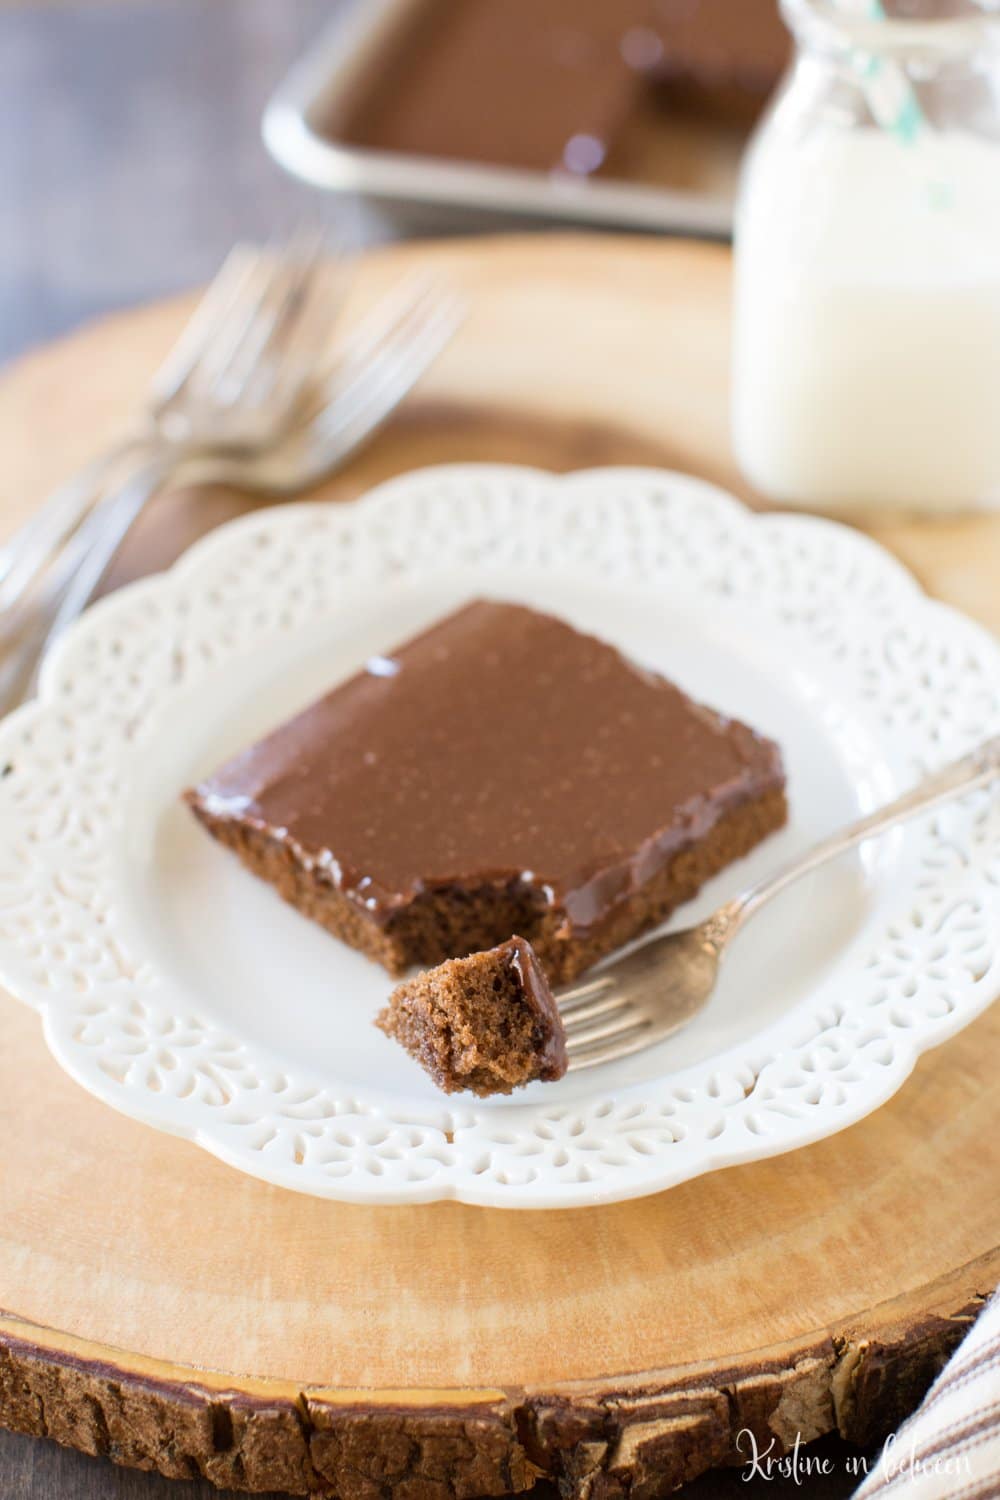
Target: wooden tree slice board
{"points": [[164, 1310]]}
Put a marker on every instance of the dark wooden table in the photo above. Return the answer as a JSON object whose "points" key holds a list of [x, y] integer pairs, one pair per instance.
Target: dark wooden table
{"points": [[130, 151], [130, 160]]}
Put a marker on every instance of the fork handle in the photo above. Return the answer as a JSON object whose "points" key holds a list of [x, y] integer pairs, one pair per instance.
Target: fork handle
{"points": [[81, 566], [24, 555], [976, 769]]}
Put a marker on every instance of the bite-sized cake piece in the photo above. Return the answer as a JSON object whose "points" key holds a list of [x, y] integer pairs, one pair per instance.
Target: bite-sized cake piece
{"points": [[486, 1023], [499, 773]]}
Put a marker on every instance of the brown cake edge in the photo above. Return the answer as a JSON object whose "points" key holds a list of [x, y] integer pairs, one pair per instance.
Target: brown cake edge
{"points": [[730, 838], [413, 935], [274, 861]]}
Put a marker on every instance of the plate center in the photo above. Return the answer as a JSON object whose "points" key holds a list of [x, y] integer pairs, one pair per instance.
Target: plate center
{"points": [[254, 966]]}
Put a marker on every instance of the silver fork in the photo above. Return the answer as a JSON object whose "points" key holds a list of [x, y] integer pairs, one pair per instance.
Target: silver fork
{"points": [[254, 309], [662, 984], [348, 400]]}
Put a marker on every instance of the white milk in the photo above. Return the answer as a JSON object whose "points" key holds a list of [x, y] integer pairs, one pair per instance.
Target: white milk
{"points": [[867, 325]]}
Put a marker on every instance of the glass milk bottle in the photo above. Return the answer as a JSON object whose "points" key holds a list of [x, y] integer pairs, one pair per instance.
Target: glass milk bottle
{"points": [[867, 312]]}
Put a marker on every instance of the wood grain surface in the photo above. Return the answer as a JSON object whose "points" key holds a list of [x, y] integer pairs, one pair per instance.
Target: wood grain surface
{"points": [[171, 1313]]}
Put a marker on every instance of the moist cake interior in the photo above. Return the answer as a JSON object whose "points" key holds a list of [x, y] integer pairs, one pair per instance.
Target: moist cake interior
{"points": [[487, 1023]]}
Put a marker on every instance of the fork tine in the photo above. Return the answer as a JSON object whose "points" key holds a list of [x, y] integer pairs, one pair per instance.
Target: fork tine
{"points": [[609, 1006], [381, 328], [281, 314], [391, 309], [273, 304], [208, 317], [308, 338], [233, 326], [571, 999], [396, 340], [622, 1023], [413, 358], [359, 409], [609, 1051]]}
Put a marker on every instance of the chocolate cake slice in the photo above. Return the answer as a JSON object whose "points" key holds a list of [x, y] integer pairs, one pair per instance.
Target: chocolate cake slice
{"points": [[486, 1023], [499, 773]]}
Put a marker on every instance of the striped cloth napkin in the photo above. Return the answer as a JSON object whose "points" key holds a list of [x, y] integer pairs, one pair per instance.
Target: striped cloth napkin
{"points": [[950, 1448]]}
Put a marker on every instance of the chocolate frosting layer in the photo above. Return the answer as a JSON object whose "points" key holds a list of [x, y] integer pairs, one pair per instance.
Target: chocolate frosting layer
{"points": [[521, 956], [500, 746]]}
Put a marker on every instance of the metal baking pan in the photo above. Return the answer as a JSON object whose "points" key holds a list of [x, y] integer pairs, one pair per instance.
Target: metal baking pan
{"points": [[299, 129]]}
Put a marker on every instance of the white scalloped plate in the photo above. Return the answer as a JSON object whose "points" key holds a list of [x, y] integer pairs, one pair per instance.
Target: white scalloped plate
{"points": [[183, 992]]}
